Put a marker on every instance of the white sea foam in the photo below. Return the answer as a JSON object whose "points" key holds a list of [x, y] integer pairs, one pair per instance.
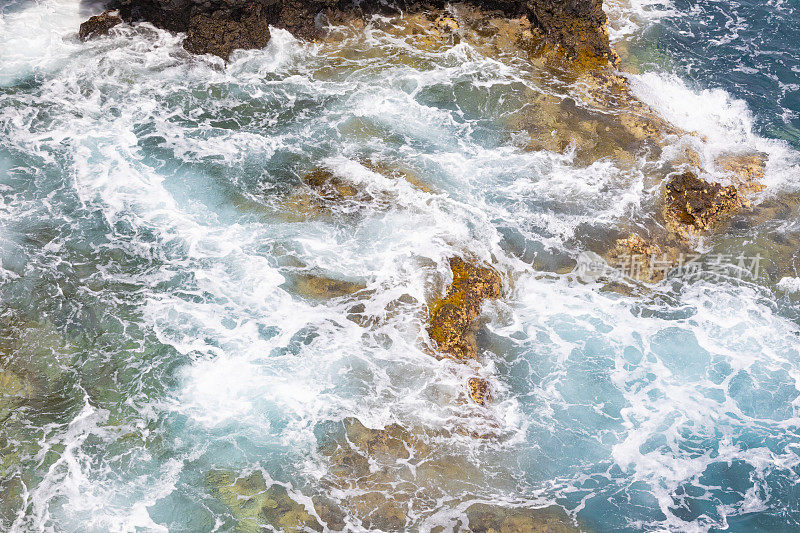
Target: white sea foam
{"points": [[149, 152]]}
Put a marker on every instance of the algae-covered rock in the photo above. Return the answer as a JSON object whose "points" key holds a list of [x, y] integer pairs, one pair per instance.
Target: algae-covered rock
{"points": [[486, 518], [452, 317], [693, 205], [393, 474], [256, 505], [99, 25]]}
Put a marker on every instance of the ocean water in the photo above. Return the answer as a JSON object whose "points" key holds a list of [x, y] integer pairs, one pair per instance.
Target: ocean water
{"points": [[153, 331]]}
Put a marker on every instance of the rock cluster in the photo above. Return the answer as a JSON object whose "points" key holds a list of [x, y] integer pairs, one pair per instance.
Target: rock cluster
{"points": [[221, 26]]}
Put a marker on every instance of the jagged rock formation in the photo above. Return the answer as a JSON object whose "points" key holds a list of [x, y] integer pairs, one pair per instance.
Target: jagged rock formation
{"points": [[98, 25], [453, 318], [693, 204], [221, 26], [578, 26]]}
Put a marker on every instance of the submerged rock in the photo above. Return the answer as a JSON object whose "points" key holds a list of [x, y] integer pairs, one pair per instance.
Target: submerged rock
{"points": [[452, 318], [321, 287], [255, 505], [99, 25], [486, 518], [388, 476], [642, 259]]}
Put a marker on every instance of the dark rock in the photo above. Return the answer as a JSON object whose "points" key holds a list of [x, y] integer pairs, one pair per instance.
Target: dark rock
{"points": [[98, 25], [224, 31], [220, 26]]}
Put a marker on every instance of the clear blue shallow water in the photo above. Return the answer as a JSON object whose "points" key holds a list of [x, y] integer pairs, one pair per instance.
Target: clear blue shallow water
{"points": [[151, 332]]}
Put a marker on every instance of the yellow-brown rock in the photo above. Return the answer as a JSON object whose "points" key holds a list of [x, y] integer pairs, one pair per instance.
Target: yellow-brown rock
{"points": [[452, 318], [746, 171], [322, 288], [645, 260], [479, 390]]}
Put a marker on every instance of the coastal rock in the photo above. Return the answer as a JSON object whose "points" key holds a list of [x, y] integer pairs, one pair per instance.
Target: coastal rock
{"points": [[219, 26], [224, 31], [693, 205], [393, 473], [98, 25], [643, 259], [212, 26], [452, 318], [479, 391], [322, 287], [746, 171], [577, 26]]}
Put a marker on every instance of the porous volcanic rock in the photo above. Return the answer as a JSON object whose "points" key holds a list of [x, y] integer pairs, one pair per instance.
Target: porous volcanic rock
{"points": [[693, 204]]}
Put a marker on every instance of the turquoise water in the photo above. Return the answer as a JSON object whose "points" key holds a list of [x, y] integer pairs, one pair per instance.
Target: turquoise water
{"points": [[152, 332]]}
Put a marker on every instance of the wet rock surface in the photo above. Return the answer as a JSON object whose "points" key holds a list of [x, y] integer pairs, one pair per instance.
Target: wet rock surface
{"points": [[693, 204], [224, 31], [484, 518], [578, 26], [452, 318], [99, 25], [219, 26], [479, 390], [256, 505]]}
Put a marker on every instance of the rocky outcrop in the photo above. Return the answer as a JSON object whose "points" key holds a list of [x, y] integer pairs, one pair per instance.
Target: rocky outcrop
{"points": [[221, 26], [693, 205], [99, 25], [577, 26], [224, 31], [453, 317]]}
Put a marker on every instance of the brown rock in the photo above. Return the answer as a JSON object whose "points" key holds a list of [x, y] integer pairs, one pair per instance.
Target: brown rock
{"points": [[693, 205], [485, 518], [321, 287], [98, 25], [577, 26], [224, 31]]}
